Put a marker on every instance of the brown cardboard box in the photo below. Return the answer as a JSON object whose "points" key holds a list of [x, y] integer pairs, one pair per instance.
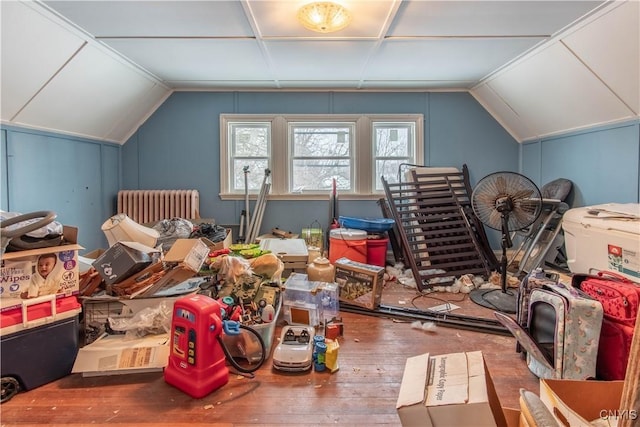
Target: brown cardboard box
{"points": [[448, 390], [215, 246], [577, 403], [512, 417], [360, 284], [19, 270], [85, 261]]}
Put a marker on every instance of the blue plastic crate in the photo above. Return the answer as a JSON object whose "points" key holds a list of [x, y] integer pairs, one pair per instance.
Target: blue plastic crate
{"points": [[371, 225]]}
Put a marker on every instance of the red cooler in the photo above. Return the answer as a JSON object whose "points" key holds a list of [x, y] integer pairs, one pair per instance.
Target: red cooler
{"points": [[348, 243], [377, 250]]}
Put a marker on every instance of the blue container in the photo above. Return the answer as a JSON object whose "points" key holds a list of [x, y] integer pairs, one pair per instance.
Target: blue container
{"points": [[370, 225], [37, 356]]}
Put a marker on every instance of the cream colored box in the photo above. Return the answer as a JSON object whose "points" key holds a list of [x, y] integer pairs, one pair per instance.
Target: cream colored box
{"points": [[448, 390]]}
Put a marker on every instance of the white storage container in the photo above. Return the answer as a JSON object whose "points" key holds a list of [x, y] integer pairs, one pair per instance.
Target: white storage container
{"points": [[603, 237]]}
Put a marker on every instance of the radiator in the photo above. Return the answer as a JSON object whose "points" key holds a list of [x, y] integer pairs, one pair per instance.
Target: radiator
{"points": [[145, 206]]}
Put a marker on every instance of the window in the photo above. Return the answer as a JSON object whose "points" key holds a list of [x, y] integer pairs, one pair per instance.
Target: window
{"points": [[303, 154], [319, 153], [394, 144], [250, 145]]}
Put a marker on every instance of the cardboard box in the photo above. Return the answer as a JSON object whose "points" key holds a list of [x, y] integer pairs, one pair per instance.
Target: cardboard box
{"points": [[85, 261], [512, 417], [19, 272], [190, 253], [115, 354], [579, 402], [124, 259], [216, 246], [360, 284], [448, 390]]}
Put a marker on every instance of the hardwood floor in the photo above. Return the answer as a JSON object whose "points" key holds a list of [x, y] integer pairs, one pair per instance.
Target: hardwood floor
{"points": [[362, 392]]}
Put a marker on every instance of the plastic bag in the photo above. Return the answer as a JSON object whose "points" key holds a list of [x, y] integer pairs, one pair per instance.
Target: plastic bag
{"points": [[148, 321], [172, 229]]}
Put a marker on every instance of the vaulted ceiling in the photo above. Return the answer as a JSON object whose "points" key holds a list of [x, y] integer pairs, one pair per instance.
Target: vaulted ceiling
{"points": [[539, 67]]}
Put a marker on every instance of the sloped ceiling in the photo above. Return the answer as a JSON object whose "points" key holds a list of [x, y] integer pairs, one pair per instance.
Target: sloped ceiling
{"points": [[98, 69], [587, 76]]}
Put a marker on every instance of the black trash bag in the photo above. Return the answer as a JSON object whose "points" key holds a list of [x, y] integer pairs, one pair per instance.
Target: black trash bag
{"points": [[213, 232]]}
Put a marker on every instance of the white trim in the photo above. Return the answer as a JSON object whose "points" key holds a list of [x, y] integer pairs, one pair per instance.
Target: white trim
{"points": [[281, 149]]}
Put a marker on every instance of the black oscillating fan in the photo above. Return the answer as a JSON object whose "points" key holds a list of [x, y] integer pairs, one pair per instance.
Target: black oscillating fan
{"points": [[504, 201]]}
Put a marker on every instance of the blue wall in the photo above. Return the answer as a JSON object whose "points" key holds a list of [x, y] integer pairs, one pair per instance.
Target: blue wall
{"points": [[603, 163], [74, 177], [178, 146]]}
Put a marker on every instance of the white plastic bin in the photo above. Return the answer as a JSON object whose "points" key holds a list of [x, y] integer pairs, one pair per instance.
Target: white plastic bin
{"points": [[603, 237]]}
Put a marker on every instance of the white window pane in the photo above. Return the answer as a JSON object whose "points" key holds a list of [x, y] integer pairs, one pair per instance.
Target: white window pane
{"points": [[389, 169], [318, 141], [317, 175], [255, 174], [250, 140], [392, 140]]}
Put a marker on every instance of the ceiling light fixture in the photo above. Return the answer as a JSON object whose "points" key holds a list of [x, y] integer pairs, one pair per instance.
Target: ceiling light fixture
{"points": [[324, 17]]}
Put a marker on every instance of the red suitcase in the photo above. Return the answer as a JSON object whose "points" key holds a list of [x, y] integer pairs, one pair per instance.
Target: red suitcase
{"points": [[620, 299]]}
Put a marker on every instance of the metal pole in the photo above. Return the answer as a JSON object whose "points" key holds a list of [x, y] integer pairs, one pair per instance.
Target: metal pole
{"points": [[260, 214], [250, 236], [253, 218], [246, 198]]}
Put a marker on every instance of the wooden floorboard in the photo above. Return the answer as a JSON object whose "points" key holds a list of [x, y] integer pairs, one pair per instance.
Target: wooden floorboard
{"points": [[362, 392]]}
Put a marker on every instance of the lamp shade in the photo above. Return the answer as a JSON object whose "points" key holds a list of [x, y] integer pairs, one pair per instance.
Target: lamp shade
{"points": [[324, 17], [121, 228]]}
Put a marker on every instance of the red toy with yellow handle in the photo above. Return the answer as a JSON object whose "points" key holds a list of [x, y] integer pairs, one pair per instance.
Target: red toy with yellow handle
{"points": [[197, 363], [198, 356]]}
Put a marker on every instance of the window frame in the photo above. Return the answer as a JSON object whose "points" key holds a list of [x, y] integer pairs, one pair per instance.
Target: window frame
{"points": [[281, 149], [292, 124]]}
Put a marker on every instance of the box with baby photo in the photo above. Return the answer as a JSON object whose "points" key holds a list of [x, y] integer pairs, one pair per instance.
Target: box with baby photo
{"points": [[37, 272]]}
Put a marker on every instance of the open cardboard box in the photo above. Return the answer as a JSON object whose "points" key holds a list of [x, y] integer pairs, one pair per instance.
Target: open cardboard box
{"points": [[512, 417], [448, 390], [580, 402], [216, 246]]}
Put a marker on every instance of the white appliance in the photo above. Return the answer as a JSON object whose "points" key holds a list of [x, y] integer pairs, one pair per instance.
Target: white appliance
{"points": [[603, 237]]}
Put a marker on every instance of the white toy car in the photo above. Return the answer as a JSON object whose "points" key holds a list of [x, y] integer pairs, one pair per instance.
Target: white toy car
{"points": [[294, 352]]}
